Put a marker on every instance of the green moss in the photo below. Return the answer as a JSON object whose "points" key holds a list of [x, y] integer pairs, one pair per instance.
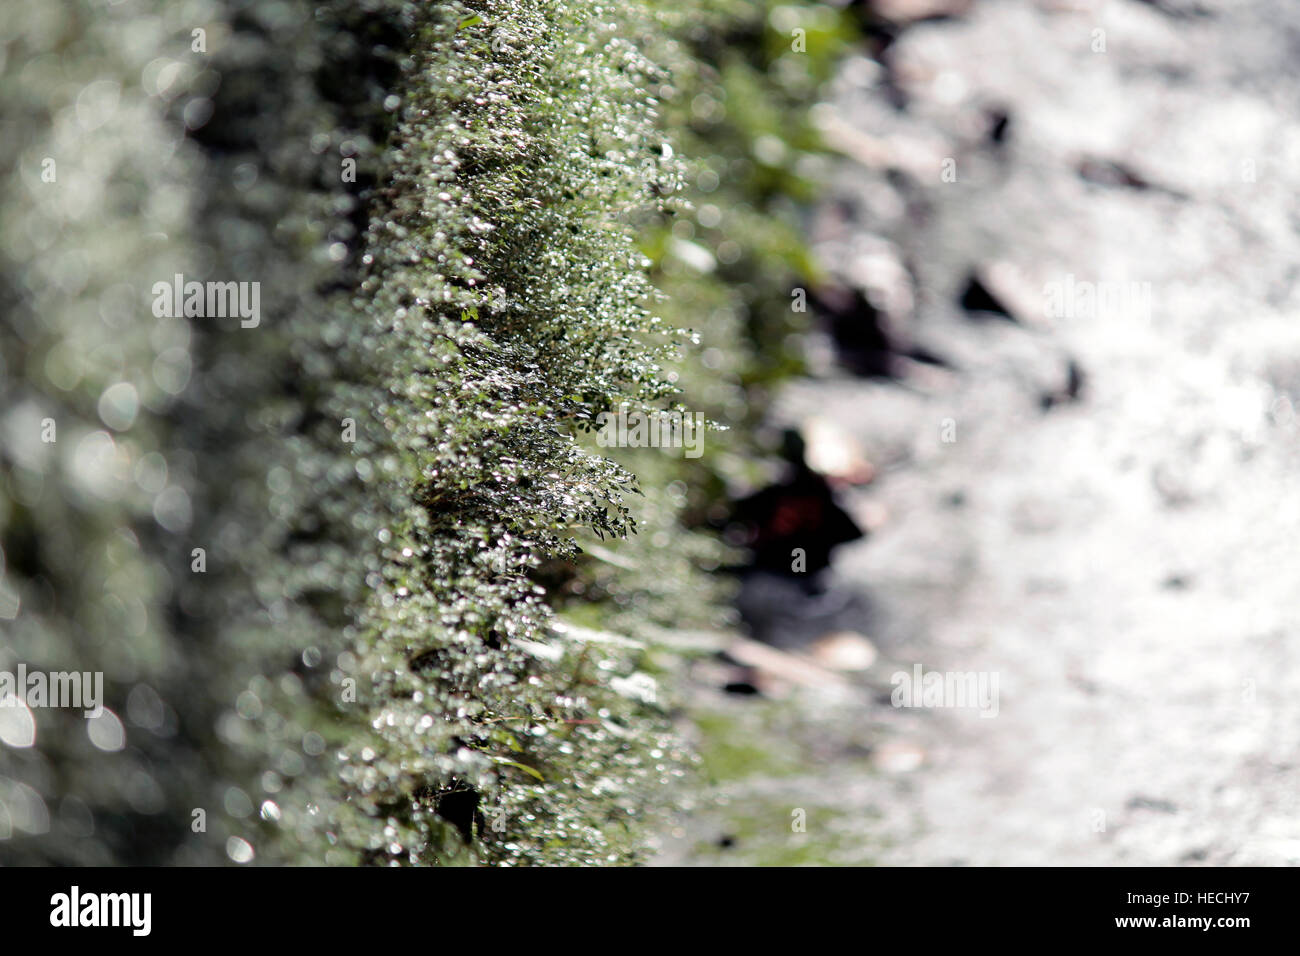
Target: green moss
{"points": [[392, 475], [759, 833]]}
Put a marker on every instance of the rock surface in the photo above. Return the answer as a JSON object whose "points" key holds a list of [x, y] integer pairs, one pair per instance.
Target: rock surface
{"points": [[1123, 556]]}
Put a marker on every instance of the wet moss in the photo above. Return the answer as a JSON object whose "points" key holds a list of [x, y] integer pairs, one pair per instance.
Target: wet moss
{"points": [[460, 217]]}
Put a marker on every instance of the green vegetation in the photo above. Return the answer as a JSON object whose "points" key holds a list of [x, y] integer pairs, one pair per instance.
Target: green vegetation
{"points": [[423, 634]]}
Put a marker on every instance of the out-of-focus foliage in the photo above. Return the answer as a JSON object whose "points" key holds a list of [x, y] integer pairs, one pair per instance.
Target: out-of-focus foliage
{"points": [[388, 473], [726, 257], [215, 156]]}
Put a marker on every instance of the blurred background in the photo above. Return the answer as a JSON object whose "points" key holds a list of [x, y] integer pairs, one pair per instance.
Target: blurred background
{"points": [[1071, 227]]}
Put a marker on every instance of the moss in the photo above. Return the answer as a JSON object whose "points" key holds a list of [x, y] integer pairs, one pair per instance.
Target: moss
{"points": [[733, 748], [392, 475], [758, 832]]}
